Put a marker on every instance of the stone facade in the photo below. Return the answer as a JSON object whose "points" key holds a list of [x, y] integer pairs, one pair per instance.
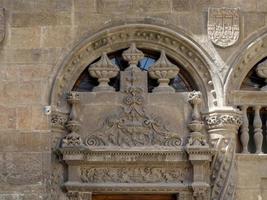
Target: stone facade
{"points": [[44, 137]]}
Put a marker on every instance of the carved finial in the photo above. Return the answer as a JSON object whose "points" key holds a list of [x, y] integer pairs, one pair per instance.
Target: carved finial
{"points": [[132, 55], [196, 125], [73, 125], [163, 70], [262, 72], [103, 70]]}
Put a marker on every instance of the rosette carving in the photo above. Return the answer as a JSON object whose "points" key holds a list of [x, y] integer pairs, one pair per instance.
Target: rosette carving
{"points": [[103, 70], [163, 70]]}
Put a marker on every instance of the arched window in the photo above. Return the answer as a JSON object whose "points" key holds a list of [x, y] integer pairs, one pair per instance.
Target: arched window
{"points": [[253, 81], [181, 83]]}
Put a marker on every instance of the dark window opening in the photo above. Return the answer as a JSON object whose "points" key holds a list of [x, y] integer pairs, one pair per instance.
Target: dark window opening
{"points": [[253, 81]]}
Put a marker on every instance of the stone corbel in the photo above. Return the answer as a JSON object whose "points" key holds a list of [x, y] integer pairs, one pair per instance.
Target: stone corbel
{"points": [[222, 126], [79, 195]]}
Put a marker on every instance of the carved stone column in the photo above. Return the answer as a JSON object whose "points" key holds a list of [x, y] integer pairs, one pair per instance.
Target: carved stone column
{"points": [[222, 126]]}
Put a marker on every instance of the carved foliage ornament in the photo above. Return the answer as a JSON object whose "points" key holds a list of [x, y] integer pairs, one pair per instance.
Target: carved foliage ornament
{"points": [[223, 26], [134, 174]]}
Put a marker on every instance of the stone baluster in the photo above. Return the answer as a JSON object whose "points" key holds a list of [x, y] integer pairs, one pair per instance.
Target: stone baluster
{"points": [[244, 130], [257, 124], [103, 70], [73, 125]]}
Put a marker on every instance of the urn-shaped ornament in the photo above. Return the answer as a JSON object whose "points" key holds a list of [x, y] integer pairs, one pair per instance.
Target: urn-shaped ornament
{"points": [[163, 70], [103, 70]]}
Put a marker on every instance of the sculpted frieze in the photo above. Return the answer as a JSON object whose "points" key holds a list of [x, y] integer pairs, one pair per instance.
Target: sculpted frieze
{"points": [[220, 120], [134, 174]]}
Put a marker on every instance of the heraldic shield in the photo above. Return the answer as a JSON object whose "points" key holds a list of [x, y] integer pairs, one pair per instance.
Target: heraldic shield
{"points": [[223, 26]]}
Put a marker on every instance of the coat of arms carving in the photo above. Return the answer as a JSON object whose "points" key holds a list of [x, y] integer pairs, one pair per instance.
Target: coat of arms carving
{"points": [[223, 26]]}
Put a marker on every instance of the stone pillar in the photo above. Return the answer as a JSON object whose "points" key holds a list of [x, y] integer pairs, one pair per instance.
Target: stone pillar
{"points": [[222, 126]]}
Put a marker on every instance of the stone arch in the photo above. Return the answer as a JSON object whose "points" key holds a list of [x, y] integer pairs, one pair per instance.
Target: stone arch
{"points": [[254, 50], [177, 45]]}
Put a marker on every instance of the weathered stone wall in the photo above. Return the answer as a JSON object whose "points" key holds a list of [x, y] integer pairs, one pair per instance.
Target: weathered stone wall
{"points": [[40, 33]]}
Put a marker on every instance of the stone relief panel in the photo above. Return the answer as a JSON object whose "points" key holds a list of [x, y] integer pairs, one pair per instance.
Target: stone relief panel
{"points": [[223, 26], [135, 174]]}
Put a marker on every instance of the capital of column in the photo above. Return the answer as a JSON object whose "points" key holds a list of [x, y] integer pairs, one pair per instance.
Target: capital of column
{"points": [[223, 119]]}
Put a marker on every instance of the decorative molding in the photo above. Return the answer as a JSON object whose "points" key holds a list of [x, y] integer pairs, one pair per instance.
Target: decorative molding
{"points": [[223, 26], [221, 120], [59, 120], [134, 174]]}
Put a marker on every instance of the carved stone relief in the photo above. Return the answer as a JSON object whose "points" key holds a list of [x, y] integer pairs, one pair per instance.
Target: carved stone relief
{"points": [[223, 26], [136, 141], [135, 174], [222, 127], [133, 126]]}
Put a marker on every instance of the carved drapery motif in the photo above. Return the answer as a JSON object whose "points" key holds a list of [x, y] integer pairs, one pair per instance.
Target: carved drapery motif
{"points": [[103, 70], [73, 125], [223, 26], [163, 70]]}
